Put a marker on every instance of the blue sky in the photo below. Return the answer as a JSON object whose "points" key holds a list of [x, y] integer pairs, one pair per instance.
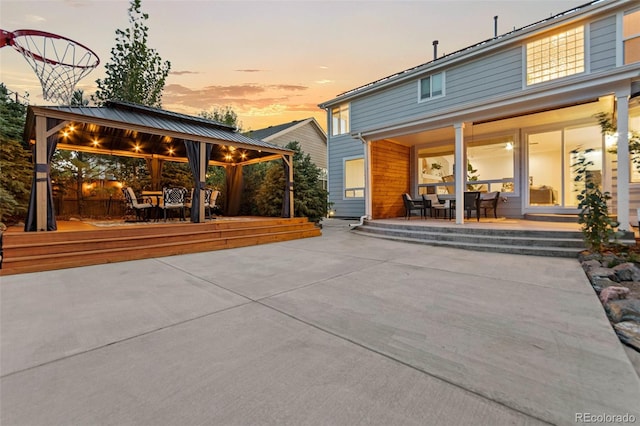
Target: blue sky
{"points": [[271, 61]]}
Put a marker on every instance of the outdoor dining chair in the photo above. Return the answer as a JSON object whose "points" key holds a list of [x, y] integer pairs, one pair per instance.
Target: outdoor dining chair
{"points": [[471, 203], [411, 205], [174, 199], [489, 201], [141, 209]]}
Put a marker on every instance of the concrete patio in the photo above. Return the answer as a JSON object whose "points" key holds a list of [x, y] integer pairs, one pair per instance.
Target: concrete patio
{"points": [[334, 330]]}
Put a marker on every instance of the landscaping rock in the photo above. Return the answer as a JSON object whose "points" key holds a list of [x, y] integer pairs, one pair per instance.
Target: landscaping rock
{"points": [[629, 333], [627, 272], [613, 293], [588, 265], [599, 284], [623, 310], [602, 273]]}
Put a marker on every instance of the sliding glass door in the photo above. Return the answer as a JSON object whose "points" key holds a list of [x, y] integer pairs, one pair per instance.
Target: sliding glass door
{"points": [[551, 155]]}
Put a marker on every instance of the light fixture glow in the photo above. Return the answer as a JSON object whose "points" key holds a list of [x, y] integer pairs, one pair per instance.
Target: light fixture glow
{"points": [[509, 146], [95, 142], [171, 151], [136, 148]]}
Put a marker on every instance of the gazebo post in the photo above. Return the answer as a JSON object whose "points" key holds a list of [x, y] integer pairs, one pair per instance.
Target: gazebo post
{"points": [[202, 178], [41, 165]]}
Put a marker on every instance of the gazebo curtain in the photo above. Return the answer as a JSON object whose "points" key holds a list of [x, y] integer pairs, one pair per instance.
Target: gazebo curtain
{"points": [[31, 224], [234, 190], [193, 154], [286, 209]]}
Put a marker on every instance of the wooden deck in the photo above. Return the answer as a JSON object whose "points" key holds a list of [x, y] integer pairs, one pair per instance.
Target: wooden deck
{"points": [[79, 243]]}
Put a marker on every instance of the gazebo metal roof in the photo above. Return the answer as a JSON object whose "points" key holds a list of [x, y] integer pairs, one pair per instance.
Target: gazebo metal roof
{"points": [[122, 128]]}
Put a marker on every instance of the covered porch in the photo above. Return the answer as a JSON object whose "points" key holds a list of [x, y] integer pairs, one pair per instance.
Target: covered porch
{"points": [[522, 147]]}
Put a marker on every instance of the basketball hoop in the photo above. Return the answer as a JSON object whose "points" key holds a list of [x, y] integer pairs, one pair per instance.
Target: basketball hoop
{"points": [[59, 62]]}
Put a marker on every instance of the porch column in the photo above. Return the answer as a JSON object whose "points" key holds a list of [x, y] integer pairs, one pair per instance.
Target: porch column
{"points": [[460, 172], [622, 103]]}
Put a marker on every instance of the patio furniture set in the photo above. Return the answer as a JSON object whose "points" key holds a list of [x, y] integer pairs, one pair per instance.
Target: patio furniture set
{"points": [[437, 205], [165, 201]]}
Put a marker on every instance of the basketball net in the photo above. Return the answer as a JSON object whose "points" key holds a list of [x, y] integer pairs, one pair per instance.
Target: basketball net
{"points": [[59, 62]]}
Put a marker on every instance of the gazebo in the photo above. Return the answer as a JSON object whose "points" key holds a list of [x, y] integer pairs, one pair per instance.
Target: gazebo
{"points": [[131, 130]]}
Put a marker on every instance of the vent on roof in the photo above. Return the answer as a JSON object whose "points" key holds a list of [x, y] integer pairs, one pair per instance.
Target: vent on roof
{"points": [[435, 49]]}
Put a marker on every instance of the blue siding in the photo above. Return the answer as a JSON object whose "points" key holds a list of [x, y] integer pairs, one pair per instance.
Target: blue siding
{"points": [[483, 78], [341, 147], [602, 39]]}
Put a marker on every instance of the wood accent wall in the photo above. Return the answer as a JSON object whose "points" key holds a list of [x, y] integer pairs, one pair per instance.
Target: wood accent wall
{"points": [[391, 177]]}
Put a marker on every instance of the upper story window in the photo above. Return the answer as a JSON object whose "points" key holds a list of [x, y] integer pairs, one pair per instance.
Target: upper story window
{"points": [[340, 120], [556, 56], [631, 36], [432, 86]]}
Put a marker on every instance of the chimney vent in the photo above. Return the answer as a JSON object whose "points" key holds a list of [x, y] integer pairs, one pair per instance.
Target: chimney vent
{"points": [[495, 26], [435, 49]]}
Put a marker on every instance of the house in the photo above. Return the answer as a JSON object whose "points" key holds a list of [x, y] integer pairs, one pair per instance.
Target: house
{"points": [[515, 109], [307, 132]]}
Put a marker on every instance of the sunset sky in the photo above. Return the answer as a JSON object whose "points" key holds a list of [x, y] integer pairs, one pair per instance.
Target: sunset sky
{"points": [[271, 61]]}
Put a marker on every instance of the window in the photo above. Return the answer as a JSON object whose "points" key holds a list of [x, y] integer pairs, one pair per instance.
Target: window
{"points": [[354, 178], [340, 120], [557, 56], [432, 86], [490, 166], [631, 36]]}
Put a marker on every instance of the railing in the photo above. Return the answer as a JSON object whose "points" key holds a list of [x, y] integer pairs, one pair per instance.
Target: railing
{"points": [[487, 185]]}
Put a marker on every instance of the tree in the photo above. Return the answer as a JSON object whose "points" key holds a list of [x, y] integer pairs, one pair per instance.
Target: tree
{"points": [[136, 73], [310, 199], [224, 115], [77, 99], [15, 167]]}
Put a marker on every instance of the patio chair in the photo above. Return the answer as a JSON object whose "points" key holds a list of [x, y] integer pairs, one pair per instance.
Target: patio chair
{"points": [[489, 201], [174, 199], [471, 203], [141, 209], [434, 205], [411, 205], [210, 197]]}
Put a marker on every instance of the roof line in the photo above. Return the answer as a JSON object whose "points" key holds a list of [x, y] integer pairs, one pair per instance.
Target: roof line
{"points": [[465, 49]]}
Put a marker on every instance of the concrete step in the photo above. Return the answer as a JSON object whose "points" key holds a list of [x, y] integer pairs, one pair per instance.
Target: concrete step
{"points": [[528, 242]]}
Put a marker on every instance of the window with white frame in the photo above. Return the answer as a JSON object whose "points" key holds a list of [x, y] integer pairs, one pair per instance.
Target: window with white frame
{"points": [[559, 55], [340, 120], [631, 36], [432, 86], [354, 178]]}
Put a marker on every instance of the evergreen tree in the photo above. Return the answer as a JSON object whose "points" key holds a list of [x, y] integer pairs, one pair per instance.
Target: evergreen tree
{"points": [[310, 200], [15, 167], [136, 73]]}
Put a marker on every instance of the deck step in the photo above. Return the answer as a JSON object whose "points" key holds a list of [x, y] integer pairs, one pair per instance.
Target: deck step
{"points": [[43, 251]]}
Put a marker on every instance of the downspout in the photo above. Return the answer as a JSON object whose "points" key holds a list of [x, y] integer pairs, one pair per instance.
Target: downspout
{"points": [[367, 181]]}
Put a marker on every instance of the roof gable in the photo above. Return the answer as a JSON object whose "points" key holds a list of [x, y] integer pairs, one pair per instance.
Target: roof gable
{"points": [[272, 132]]}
